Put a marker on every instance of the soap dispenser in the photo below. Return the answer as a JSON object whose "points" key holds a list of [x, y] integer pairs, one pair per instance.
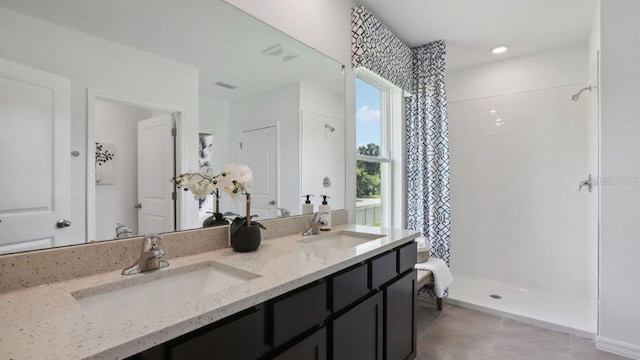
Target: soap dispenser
{"points": [[307, 207], [326, 209]]}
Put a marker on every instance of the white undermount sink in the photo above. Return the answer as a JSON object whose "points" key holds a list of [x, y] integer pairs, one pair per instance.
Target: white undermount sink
{"points": [[341, 239], [157, 291]]}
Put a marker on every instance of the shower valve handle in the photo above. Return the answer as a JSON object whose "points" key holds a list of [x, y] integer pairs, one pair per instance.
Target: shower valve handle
{"points": [[588, 183]]}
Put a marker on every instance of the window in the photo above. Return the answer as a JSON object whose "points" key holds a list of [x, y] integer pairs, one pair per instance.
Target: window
{"points": [[373, 150]]}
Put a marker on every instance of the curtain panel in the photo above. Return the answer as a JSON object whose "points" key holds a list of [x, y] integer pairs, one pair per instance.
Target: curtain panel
{"points": [[376, 48], [428, 195]]}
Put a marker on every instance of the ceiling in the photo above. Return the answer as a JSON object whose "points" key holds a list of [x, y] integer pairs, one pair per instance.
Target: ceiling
{"points": [[224, 43], [471, 28]]}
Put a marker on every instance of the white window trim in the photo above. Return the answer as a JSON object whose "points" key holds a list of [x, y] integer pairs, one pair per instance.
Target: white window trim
{"points": [[392, 149]]}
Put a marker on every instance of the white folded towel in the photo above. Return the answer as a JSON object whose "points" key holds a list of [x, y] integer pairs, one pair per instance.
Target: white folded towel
{"points": [[442, 277]]}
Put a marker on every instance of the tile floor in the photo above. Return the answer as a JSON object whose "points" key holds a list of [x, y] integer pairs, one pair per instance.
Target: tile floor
{"points": [[461, 334]]}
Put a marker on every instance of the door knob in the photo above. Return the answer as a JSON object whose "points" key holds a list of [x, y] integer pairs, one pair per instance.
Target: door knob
{"points": [[272, 202], [138, 206], [63, 223]]}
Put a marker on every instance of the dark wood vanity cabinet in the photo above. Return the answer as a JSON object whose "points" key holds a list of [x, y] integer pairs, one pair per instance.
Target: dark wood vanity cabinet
{"points": [[364, 312], [299, 311], [243, 337], [400, 322], [358, 334], [240, 336], [314, 347]]}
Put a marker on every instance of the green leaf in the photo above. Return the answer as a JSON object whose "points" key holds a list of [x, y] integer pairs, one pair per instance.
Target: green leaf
{"points": [[230, 214], [237, 224], [207, 222]]}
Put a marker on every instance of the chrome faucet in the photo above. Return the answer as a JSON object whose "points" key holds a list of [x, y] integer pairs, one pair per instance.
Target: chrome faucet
{"points": [[315, 224], [149, 256]]}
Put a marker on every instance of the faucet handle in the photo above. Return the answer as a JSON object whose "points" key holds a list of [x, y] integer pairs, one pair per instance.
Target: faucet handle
{"points": [[316, 217], [151, 242]]}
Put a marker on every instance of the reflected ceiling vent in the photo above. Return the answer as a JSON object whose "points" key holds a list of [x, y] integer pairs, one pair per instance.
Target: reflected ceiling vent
{"points": [[226, 85], [280, 53]]}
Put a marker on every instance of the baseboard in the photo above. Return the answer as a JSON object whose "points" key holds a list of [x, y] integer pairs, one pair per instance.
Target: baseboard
{"points": [[618, 347]]}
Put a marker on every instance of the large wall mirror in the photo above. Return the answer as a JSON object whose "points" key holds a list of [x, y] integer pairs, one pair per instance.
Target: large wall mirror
{"points": [[92, 90]]}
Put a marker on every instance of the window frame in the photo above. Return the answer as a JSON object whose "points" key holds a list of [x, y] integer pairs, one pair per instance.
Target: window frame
{"points": [[387, 160]]}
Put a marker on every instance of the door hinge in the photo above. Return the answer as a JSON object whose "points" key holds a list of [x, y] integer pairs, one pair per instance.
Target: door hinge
{"points": [[240, 145], [173, 195], [174, 132]]}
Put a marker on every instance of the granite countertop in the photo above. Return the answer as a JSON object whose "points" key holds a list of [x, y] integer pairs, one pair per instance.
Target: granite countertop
{"points": [[47, 322]]}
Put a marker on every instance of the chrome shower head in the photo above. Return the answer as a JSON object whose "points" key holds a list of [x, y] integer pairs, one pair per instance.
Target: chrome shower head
{"points": [[576, 97]]}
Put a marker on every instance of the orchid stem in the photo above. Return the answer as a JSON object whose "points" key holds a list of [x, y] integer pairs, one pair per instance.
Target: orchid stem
{"points": [[217, 201], [248, 209]]}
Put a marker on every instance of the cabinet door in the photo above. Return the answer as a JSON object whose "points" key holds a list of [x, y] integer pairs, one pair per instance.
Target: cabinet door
{"points": [[358, 333], [400, 335], [242, 337], [313, 347]]}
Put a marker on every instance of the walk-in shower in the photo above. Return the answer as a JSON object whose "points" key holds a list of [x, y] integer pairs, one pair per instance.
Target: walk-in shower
{"points": [[576, 96], [521, 230]]}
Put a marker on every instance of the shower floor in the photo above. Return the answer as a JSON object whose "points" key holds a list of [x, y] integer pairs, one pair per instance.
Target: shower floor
{"points": [[537, 307]]}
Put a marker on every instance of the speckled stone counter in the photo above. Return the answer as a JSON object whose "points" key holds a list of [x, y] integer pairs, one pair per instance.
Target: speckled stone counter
{"points": [[47, 322]]}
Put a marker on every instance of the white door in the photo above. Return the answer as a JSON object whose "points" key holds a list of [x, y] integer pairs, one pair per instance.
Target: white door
{"points": [[259, 150], [34, 158], [155, 171]]}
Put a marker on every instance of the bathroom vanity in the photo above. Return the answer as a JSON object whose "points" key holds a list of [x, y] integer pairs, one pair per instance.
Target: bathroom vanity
{"points": [[345, 294]]}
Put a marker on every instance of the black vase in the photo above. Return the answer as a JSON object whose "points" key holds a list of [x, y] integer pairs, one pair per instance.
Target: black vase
{"points": [[216, 219], [246, 239]]}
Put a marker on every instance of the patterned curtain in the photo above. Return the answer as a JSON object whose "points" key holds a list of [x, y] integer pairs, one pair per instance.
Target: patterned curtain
{"points": [[376, 48], [428, 150]]}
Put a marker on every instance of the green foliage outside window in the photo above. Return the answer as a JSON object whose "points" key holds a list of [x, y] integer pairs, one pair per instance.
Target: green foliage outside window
{"points": [[368, 173]]}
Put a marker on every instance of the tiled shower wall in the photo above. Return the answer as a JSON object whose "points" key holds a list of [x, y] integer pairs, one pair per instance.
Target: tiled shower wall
{"points": [[517, 215]]}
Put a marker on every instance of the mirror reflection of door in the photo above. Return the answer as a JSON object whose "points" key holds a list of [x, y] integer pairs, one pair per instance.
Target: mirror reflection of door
{"points": [[133, 186], [34, 159], [259, 150]]}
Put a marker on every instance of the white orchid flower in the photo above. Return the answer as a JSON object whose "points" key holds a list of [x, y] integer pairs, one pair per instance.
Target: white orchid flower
{"points": [[240, 172], [235, 180]]}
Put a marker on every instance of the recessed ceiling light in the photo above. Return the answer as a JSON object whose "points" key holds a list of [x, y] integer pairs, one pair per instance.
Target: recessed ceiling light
{"points": [[499, 49]]}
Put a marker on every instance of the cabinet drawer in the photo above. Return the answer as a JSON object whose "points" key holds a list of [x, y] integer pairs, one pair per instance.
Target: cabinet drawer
{"points": [[383, 269], [407, 257], [299, 312], [243, 337], [314, 347], [349, 287]]}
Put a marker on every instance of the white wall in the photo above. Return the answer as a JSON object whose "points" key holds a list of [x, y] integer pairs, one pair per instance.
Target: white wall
{"points": [[326, 26], [537, 71], [215, 117], [516, 215], [117, 124], [282, 107], [620, 157], [322, 150], [93, 63]]}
